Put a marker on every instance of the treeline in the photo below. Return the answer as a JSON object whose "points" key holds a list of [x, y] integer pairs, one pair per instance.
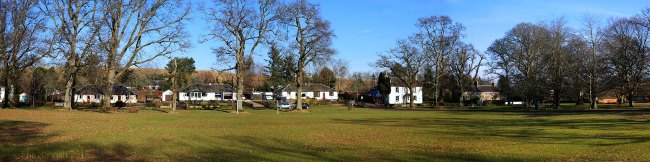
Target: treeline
{"points": [[549, 61], [436, 58], [105, 40], [534, 62], [102, 40]]}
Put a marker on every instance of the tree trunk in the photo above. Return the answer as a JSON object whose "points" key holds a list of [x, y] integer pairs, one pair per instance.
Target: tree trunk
{"points": [[629, 101], [460, 98], [556, 99], [410, 93], [68, 95], [108, 90], [299, 91], [5, 101], [240, 87], [174, 87]]}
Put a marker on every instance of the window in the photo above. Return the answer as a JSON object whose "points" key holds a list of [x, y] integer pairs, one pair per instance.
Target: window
{"points": [[415, 98], [97, 97], [396, 89], [196, 94], [331, 93], [396, 98], [303, 95], [316, 94]]}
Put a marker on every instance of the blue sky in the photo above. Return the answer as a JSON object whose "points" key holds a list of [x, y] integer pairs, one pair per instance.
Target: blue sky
{"points": [[366, 27]]}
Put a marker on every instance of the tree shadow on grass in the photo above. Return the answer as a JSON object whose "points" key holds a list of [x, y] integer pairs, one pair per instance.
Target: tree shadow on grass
{"points": [[249, 148], [588, 131], [27, 141]]}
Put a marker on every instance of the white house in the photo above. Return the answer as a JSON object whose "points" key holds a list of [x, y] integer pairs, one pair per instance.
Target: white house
{"points": [[207, 92], [482, 92], [309, 90], [23, 98], [399, 94], [167, 96], [95, 94]]}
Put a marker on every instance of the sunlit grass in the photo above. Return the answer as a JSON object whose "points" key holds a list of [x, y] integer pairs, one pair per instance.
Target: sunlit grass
{"points": [[326, 133]]}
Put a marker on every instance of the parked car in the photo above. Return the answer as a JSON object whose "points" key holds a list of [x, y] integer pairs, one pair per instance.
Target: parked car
{"points": [[285, 105], [304, 106]]}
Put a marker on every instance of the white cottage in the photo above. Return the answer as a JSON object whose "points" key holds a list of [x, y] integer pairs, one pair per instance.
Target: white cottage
{"points": [[399, 94], [309, 90], [95, 94], [207, 92], [167, 96]]}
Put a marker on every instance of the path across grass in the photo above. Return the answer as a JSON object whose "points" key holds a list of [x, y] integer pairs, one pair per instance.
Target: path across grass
{"points": [[324, 134]]}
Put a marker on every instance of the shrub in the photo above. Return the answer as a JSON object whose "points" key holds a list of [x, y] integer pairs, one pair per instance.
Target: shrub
{"points": [[119, 104], [95, 105], [157, 103], [133, 110]]}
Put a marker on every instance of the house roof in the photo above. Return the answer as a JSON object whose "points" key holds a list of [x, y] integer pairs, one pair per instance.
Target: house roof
{"points": [[208, 88], [308, 87], [486, 88], [394, 82], [94, 89]]}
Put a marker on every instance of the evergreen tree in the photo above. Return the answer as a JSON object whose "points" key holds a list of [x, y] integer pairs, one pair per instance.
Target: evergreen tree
{"points": [[326, 76], [275, 69], [184, 70], [383, 85]]}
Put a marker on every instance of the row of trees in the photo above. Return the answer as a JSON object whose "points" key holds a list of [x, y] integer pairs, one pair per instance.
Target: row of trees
{"points": [[437, 53], [98, 37], [244, 25], [535, 61]]}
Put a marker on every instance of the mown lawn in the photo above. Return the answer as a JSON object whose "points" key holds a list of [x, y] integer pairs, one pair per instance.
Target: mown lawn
{"points": [[324, 134]]}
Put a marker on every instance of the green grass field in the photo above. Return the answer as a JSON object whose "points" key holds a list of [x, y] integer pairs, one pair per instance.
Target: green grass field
{"points": [[324, 134]]}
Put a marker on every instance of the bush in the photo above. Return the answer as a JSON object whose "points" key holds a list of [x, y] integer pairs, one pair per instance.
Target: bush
{"points": [[157, 103], [133, 110], [95, 105], [119, 104]]}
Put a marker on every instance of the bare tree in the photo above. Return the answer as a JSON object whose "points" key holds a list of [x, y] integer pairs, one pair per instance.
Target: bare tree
{"points": [[22, 42], [558, 57], [138, 31], [593, 59], [405, 63], [464, 61], [527, 43], [72, 23], [313, 37], [241, 25], [501, 62], [438, 36], [626, 44], [340, 68]]}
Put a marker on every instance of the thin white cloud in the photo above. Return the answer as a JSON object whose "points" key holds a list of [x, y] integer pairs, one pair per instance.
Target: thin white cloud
{"points": [[364, 31]]}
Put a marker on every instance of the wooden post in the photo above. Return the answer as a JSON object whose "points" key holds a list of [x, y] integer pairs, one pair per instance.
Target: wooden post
{"points": [[174, 86]]}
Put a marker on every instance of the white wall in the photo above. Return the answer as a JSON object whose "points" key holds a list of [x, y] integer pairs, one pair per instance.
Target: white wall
{"points": [[2, 94], [398, 95], [323, 95], [209, 97], [167, 92], [98, 98]]}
